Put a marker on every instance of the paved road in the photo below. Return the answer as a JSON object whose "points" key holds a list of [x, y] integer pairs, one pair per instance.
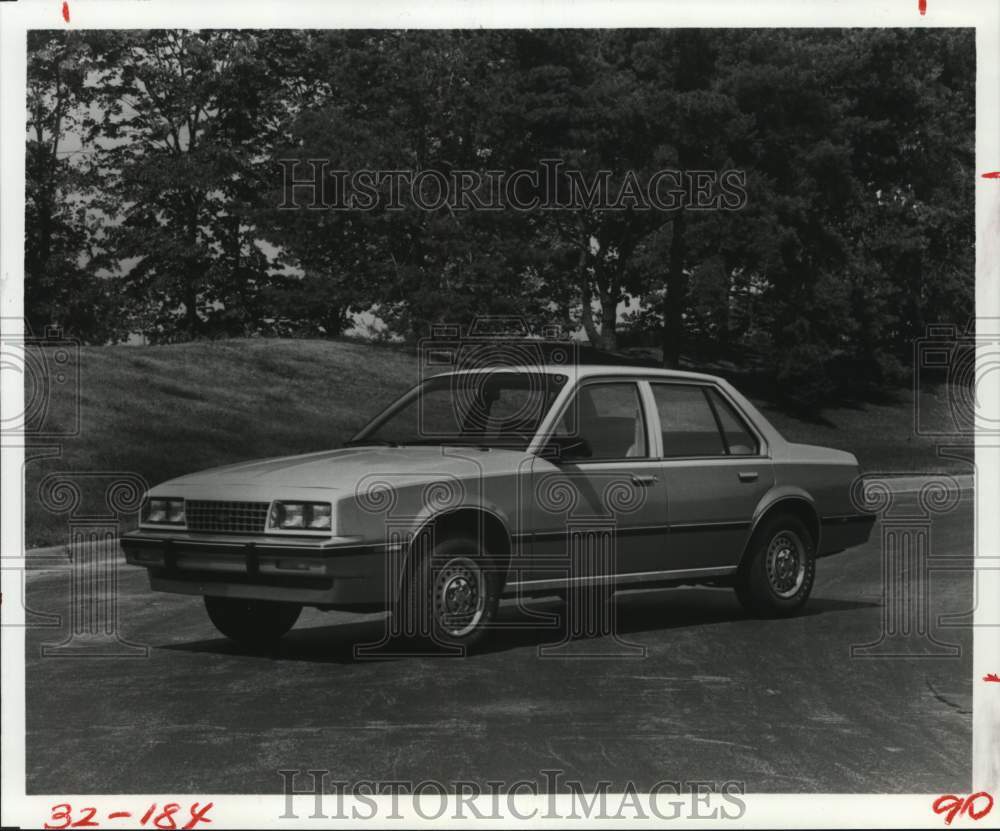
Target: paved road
{"points": [[779, 705]]}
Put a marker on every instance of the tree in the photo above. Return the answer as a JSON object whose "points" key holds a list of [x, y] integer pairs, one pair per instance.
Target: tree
{"points": [[856, 148], [189, 120], [63, 242], [863, 145], [416, 102]]}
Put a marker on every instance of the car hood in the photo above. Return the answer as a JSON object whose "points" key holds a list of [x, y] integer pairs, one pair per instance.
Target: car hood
{"points": [[343, 469]]}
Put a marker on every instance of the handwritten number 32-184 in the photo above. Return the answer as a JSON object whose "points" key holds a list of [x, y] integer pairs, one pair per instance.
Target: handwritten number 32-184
{"points": [[62, 816]]}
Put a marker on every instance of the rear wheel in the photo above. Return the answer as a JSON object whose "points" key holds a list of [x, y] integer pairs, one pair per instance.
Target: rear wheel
{"points": [[777, 573], [252, 622], [451, 596]]}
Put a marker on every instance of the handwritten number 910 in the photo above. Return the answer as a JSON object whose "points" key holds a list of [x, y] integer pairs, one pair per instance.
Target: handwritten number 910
{"points": [[976, 806]]}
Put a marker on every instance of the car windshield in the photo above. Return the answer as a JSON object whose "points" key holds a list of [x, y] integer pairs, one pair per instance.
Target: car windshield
{"points": [[500, 408]]}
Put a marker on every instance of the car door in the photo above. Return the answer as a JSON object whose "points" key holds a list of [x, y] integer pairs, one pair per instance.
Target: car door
{"points": [[601, 511], [715, 471]]}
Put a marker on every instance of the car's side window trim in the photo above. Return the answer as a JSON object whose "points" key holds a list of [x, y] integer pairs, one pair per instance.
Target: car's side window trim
{"points": [[741, 419], [643, 413], [655, 437], [705, 387], [547, 427], [718, 422]]}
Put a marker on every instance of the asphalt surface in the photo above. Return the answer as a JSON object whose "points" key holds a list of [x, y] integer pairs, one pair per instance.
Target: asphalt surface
{"points": [[780, 705]]}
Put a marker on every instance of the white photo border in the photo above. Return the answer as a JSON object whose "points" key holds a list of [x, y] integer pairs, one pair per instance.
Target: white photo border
{"points": [[264, 811]]}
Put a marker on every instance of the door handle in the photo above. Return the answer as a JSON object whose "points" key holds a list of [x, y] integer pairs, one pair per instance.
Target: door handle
{"points": [[748, 475], [643, 481]]}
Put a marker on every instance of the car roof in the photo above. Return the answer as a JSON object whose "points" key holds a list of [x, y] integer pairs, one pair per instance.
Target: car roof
{"points": [[588, 370]]}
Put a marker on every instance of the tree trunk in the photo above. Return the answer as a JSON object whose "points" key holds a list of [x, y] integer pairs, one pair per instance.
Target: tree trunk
{"points": [[675, 298], [586, 299], [191, 309], [192, 280], [39, 292], [609, 324]]}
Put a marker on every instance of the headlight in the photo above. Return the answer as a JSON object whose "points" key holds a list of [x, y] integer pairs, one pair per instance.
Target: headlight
{"points": [[300, 516], [163, 511]]}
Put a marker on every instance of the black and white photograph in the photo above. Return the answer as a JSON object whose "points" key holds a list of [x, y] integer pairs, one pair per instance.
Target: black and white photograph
{"points": [[449, 416]]}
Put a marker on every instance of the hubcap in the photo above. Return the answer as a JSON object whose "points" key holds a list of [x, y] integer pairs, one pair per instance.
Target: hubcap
{"points": [[786, 564], [459, 596]]}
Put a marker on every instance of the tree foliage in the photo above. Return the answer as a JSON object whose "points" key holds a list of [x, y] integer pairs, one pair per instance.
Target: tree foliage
{"points": [[856, 149]]}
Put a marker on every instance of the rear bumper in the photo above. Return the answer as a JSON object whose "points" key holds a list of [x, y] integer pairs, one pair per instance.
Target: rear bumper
{"points": [[838, 533], [341, 572]]}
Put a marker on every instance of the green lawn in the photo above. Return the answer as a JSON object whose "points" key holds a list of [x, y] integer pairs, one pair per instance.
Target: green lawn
{"points": [[161, 411], [881, 435]]}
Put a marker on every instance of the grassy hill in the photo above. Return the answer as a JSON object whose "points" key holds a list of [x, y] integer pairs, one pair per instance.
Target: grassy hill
{"points": [[162, 411]]}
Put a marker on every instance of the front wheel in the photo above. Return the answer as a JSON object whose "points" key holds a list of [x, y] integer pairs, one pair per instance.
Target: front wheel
{"points": [[777, 572], [451, 596], [252, 622]]}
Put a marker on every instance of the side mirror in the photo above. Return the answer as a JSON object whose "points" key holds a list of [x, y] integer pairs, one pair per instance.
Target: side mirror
{"points": [[568, 449]]}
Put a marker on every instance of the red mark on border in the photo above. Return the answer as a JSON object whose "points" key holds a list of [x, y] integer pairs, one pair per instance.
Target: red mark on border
{"points": [[65, 11], [993, 174], [992, 676], [952, 806], [62, 816], [922, 6]]}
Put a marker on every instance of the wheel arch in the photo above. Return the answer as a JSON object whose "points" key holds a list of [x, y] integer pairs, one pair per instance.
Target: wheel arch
{"points": [[476, 521], [793, 501]]}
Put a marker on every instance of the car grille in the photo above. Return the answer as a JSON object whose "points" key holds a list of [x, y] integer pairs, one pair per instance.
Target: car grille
{"points": [[234, 517]]}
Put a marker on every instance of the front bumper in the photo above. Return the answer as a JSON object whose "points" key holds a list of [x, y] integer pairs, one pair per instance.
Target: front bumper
{"points": [[339, 572]]}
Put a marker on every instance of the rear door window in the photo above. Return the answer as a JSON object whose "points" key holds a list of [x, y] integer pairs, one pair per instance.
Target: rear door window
{"points": [[687, 421]]}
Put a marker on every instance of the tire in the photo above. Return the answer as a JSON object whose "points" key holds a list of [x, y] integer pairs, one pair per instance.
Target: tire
{"points": [[252, 622], [776, 576], [451, 595]]}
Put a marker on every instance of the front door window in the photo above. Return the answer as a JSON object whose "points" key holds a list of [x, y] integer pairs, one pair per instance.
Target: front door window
{"points": [[608, 417]]}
